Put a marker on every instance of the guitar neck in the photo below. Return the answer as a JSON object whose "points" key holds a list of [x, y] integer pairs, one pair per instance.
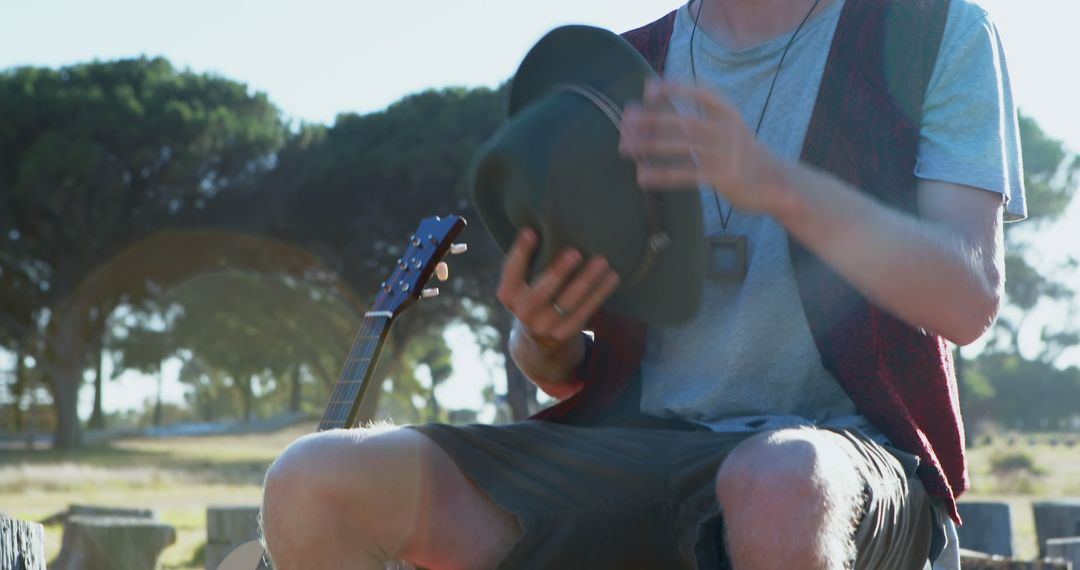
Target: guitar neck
{"points": [[355, 376]]}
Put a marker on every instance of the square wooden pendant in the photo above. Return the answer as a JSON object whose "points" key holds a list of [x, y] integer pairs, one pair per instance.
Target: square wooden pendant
{"points": [[727, 257]]}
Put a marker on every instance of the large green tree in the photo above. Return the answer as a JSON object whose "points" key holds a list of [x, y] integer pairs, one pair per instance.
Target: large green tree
{"points": [[354, 191], [95, 158]]}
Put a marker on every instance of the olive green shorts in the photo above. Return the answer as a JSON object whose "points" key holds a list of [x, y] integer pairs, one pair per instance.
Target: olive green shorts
{"points": [[635, 498]]}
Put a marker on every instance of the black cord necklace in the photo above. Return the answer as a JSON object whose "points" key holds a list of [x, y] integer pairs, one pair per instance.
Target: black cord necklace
{"points": [[737, 245]]}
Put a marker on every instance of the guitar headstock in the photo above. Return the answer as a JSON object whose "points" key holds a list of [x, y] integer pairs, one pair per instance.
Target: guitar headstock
{"points": [[431, 241]]}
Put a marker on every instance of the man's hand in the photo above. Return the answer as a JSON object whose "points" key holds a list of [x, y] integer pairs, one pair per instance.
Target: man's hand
{"points": [[941, 271], [677, 151], [552, 310]]}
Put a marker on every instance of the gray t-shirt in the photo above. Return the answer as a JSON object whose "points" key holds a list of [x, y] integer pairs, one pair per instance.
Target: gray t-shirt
{"points": [[747, 359]]}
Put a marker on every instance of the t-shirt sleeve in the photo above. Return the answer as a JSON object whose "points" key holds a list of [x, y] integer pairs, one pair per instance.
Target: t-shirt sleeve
{"points": [[969, 133]]}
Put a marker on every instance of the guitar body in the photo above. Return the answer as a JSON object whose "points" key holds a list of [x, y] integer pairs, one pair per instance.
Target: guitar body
{"points": [[432, 240], [247, 556]]}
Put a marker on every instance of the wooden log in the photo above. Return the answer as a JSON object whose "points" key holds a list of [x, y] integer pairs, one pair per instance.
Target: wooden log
{"points": [[970, 560], [1055, 519], [113, 543], [1067, 548], [22, 545], [99, 511], [228, 526], [987, 527]]}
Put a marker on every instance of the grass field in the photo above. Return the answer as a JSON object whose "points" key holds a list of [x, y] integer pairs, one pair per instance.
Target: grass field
{"points": [[180, 477]]}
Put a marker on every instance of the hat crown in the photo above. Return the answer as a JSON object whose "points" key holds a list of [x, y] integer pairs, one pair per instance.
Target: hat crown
{"points": [[555, 166]]}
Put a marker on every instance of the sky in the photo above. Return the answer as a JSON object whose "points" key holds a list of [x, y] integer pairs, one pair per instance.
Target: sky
{"points": [[318, 58]]}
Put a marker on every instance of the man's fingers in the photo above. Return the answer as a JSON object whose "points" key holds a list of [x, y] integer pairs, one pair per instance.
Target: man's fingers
{"points": [[588, 279], [542, 291], [651, 177], [707, 101], [580, 315], [514, 267], [644, 125], [640, 123], [666, 151]]}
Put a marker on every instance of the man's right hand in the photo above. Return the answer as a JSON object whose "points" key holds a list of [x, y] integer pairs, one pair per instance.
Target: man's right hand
{"points": [[552, 310]]}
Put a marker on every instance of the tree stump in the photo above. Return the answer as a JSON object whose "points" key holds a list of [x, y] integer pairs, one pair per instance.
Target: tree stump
{"points": [[1067, 548], [22, 545], [113, 543], [987, 527], [970, 560], [1055, 519], [98, 511], [226, 528]]}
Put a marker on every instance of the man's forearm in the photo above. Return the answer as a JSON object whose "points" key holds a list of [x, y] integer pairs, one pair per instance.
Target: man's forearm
{"points": [[550, 368], [928, 274]]}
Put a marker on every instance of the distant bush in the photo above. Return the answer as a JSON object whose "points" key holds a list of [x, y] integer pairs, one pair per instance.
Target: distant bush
{"points": [[1014, 463], [1016, 472]]}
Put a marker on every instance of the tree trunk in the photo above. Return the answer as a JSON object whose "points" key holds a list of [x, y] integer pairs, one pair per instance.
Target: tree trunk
{"points": [[433, 403], [17, 417], [158, 412], [68, 434], [249, 398], [296, 395], [70, 333], [97, 417], [67, 349], [520, 392], [517, 391]]}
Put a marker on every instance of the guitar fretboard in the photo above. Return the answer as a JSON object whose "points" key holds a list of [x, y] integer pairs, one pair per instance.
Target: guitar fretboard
{"points": [[355, 375]]}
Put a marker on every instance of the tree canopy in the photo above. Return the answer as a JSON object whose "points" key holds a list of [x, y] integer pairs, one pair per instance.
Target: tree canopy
{"points": [[247, 249]]}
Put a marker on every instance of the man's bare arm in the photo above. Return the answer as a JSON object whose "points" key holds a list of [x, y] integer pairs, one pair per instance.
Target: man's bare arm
{"points": [[943, 271]]}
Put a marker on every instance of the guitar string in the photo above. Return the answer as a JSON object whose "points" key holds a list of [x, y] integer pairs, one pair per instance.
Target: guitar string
{"points": [[372, 346], [352, 364], [334, 413]]}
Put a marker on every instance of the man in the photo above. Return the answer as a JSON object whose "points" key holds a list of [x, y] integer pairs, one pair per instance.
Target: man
{"points": [[755, 426]]}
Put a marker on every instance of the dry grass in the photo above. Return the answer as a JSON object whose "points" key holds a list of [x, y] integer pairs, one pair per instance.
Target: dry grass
{"points": [[1057, 476], [180, 477]]}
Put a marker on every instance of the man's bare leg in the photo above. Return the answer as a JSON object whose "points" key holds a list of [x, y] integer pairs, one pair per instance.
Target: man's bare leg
{"points": [[353, 499], [790, 499]]}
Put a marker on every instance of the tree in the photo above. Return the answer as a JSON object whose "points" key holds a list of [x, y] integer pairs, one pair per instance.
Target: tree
{"points": [[1003, 383], [96, 157], [1050, 177], [146, 348], [381, 173], [258, 329]]}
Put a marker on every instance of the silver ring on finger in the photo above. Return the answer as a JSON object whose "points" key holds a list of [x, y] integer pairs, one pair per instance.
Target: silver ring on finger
{"points": [[558, 309]]}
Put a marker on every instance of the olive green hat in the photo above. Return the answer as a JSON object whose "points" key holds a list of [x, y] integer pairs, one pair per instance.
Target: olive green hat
{"points": [[554, 165]]}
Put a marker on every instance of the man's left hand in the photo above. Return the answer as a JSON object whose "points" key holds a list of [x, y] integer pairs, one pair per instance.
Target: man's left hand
{"points": [[678, 151]]}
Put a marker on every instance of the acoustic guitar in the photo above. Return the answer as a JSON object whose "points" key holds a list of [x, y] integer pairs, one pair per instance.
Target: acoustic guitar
{"points": [[433, 240]]}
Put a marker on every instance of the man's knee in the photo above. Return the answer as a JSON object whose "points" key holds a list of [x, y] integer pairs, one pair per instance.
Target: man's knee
{"points": [[799, 476], [784, 465], [791, 483], [339, 475]]}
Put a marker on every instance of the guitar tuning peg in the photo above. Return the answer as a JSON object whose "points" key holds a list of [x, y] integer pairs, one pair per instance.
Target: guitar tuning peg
{"points": [[429, 293], [458, 248], [442, 271]]}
